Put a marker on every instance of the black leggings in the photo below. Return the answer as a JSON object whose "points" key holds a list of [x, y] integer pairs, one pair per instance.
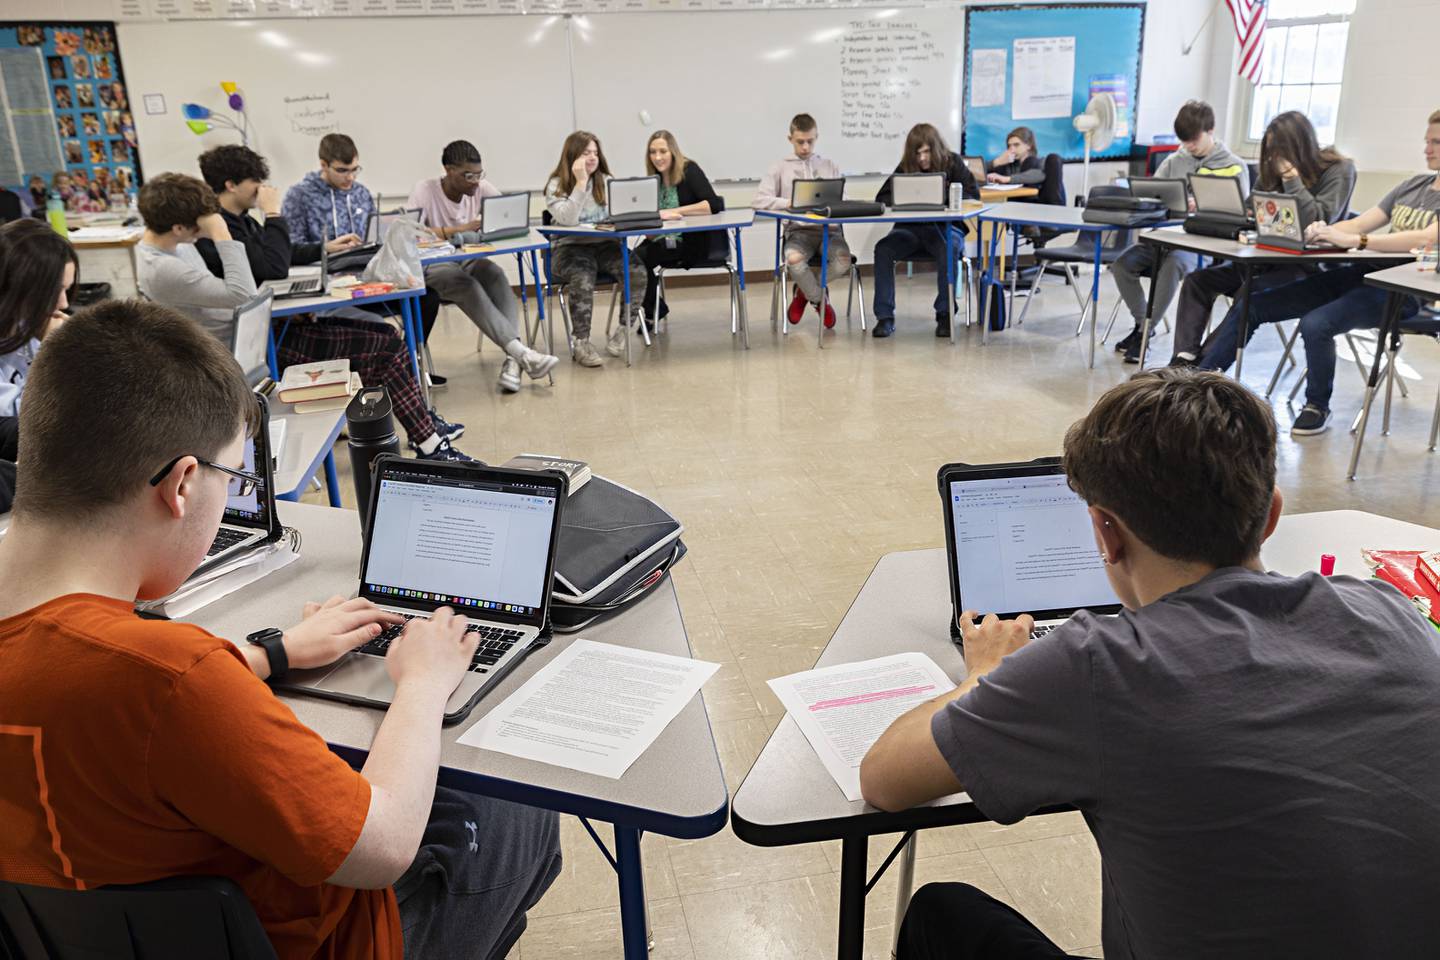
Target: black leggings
{"points": [[955, 921]]}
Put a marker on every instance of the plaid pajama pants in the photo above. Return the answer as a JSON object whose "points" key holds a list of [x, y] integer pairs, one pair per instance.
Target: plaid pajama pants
{"points": [[376, 352]]}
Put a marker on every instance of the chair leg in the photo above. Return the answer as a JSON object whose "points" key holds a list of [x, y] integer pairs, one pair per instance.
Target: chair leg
{"points": [[1029, 297], [1435, 422], [1110, 324], [1393, 355], [563, 301], [857, 286], [1072, 276], [659, 281], [850, 293], [1289, 343], [1299, 382]]}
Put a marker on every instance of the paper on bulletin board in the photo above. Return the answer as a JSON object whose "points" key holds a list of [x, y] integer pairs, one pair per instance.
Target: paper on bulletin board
{"points": [[1044, 78], [987, 78]]}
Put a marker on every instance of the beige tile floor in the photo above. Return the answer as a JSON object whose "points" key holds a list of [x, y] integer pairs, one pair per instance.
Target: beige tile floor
{"points": [[793, 471]]}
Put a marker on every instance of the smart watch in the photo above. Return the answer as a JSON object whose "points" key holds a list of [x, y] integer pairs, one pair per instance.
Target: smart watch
{"points": [[271, 640]]}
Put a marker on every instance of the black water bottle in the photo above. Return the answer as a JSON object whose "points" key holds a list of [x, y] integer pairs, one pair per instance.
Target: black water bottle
{"points": [[372, 432]]}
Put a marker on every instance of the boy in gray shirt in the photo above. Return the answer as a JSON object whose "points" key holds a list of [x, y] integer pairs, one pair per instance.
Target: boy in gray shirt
{"points": [[1254, 753]]}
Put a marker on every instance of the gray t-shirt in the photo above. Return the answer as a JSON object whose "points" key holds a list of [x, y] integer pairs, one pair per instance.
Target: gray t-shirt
{"points": [[1412, 205], [1258, 757]]}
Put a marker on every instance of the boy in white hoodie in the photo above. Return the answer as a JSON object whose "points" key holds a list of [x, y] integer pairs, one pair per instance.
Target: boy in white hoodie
{"points": [[803, 242]]}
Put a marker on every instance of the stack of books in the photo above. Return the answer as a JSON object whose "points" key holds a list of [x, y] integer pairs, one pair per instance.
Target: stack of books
{"points": [[323, 385]]}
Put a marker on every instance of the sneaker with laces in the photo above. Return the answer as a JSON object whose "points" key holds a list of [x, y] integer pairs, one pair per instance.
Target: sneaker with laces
{"points": [[446, 429], [445, 451], [1181, 360], [435, 380], [586, 355], [615, 346], [510, 375], [537, 365], [798, 303], [1312, 420]]}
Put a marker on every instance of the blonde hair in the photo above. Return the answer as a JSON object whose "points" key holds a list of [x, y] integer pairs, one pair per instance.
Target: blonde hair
{"points": [[677, 159], [564, 174]]}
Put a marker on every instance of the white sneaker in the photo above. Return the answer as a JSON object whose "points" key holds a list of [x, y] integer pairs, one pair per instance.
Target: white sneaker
{"points": [[510, 375], [537, 364], [615, 346], [586, 355]]}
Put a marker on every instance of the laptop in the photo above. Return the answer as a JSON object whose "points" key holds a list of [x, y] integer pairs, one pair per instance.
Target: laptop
{"points": [[1019, 540], [632, 202], [478, 539], [917, 191], [377, 226], [250, 338], [507, 215], [1172, 192], [306, 283], [977, 167], [814, 194], [1279, 225], [249, 521]]}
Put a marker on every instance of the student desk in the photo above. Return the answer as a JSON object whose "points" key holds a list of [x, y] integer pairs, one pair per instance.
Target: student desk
{"points": [[107, 255], [989, 194], [788, 798], [969, 211], [1247, 258], [676, 787], [1399, 282], [732, 221], [309, 442]]}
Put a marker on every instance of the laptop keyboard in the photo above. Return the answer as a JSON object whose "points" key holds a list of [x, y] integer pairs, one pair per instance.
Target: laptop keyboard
{"points": [[494, 642], [225, 538], [1042, 629]]}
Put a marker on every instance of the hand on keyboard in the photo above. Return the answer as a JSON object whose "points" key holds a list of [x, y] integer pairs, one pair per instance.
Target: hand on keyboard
{"points": [[493, 642], [434, 651], [988, 642], [332, 628]]}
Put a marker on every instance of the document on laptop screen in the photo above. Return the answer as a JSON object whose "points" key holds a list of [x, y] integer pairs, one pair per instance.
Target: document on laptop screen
{"points": [[1025, 543], [463, 541], [248, 505]]}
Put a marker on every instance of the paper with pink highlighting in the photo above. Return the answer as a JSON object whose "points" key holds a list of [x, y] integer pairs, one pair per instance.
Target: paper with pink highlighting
{"points": [[843, 710]]}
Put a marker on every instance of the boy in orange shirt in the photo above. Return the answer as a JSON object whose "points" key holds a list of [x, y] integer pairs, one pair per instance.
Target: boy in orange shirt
{"points": [[132, 750]]}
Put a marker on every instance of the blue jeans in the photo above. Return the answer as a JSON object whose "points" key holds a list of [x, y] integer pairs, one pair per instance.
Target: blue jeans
{"points": [[1328, 304], [902, 243]]}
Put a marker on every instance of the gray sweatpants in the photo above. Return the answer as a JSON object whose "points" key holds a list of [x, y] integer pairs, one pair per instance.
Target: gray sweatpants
{"points": [[1139, 260], [482, 863], [802, 243], [479, 288]]}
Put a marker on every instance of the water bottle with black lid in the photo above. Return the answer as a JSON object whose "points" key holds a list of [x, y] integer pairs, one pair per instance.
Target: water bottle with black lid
{"points": [[371, 426]]}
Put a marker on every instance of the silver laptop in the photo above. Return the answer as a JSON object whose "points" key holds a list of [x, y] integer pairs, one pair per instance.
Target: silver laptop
{"points": [[1019, 540], [1217, 196], [812, 194], [632, 199], [917, 191], [250, 337], [1172, 192], [249, 521], [478, 539], [977, 167], [505, 216], [306, 283], [377, 226]]}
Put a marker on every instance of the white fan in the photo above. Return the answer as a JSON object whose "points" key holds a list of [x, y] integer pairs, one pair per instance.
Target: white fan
{"points": [[1097, 124]]}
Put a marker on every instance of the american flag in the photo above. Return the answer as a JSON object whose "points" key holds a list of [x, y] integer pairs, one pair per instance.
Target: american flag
{"points": [[1249, 17]]}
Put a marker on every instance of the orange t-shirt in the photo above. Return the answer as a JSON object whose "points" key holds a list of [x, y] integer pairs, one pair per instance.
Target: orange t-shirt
{"points": [[132, 750]]}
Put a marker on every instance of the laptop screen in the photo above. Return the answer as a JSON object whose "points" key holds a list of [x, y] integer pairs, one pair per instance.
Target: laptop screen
{"points": [[918, 188], [1171, 191], [635, 195], [252, 338], [480, 546], [1217, 195], [1024, 544], [509, 210], [253, 509]]}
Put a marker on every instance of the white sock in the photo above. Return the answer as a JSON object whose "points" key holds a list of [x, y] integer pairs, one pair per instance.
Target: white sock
{"points": [[516, 348], [429, 444]]}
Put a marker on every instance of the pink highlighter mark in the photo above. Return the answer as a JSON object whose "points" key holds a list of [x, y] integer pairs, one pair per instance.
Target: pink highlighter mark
{"points": [[870, 697]]}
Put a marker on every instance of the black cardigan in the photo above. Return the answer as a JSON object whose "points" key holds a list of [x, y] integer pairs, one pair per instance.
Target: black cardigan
{"points": [[704, 246], [958, 172]]}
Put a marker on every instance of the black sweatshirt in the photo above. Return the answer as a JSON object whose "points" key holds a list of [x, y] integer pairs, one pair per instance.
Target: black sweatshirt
{"points": [[267, 247]]}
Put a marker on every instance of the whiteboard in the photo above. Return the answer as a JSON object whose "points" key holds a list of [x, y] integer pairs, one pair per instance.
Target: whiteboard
{"points": [[372, 79], [727, 83]]}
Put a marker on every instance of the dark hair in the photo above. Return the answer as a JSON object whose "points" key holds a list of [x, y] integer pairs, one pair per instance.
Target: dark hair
{"points": [[337, 148], [925, 135], [457, 153], [1185, 458], [1290, 137], [143, 384], [1194, 118], [34, 258], [802, 123], [570, 150], [231, 163], [1026, 136], [175, 200]]}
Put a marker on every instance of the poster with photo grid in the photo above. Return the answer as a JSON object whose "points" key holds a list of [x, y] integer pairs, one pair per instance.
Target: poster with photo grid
{"points": [[90, 115]]}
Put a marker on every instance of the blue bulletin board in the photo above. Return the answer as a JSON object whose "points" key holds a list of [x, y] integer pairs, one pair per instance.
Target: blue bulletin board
{"points": [[1066, 53]]}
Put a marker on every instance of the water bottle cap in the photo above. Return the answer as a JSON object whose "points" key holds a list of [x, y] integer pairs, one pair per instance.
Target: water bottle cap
{"points": [[369, 414]]}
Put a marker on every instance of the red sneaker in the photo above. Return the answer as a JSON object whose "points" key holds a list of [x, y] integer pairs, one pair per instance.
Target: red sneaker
{"points": [[797, 306], [829, 315]]}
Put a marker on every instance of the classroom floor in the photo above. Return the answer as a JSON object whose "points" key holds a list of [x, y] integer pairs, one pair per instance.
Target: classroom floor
{"points": [[793, 471]]}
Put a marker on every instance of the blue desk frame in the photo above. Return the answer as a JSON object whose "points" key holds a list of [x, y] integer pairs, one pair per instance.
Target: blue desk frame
{"points": [[522, 248]]}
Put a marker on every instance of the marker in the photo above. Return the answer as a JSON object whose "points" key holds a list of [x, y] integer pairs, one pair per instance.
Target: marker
{"points": [[1327, 565]]}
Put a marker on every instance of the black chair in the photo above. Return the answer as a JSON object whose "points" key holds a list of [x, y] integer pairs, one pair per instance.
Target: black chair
{"points": [[175, 919], [709, 250], [1080, 252], [10, 206], [781, 282], [1254, 169]]}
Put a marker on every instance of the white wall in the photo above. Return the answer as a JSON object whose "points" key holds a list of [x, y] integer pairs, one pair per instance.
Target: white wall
{"points": [[1392, 84]]}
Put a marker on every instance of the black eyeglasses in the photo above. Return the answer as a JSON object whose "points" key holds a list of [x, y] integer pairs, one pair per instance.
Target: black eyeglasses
{"points": [[243, 483]]}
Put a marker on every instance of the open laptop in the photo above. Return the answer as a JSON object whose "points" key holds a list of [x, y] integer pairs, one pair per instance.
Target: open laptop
{"points": [[378, 225], [478, 539], [304, 283], [977, 167], [1280, 226], [631, 202], [1019, 540], [249, 521], [917, 191], [250, 338], [1172, 192], [814, 194], [508, 215]]}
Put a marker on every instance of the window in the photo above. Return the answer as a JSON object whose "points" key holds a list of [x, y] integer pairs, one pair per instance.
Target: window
{"points": [[1304, 64]]}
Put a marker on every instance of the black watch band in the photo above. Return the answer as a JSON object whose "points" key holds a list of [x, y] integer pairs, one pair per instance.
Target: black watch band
{"points": [[271, 639]]}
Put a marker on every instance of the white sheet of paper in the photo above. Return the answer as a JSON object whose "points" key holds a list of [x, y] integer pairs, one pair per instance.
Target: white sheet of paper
{"points": [[987, 78], [842, 710], [1044, 77], [594, 708]]}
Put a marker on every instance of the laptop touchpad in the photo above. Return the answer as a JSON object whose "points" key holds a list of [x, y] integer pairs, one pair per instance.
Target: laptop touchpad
{"points": [[362, 676]]}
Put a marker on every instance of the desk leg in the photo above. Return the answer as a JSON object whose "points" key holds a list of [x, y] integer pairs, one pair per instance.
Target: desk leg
{"points": [[1243, 319], [1161, 254], [1095, 297], [776, 300], [740, 278], [949, 277], [904, 887], [1389, 327], [332, 482], [852, 898], [625, 301], [541, 321], [410, 319], [632, 893], [271, 354], [824, 279], [987, 283]]}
